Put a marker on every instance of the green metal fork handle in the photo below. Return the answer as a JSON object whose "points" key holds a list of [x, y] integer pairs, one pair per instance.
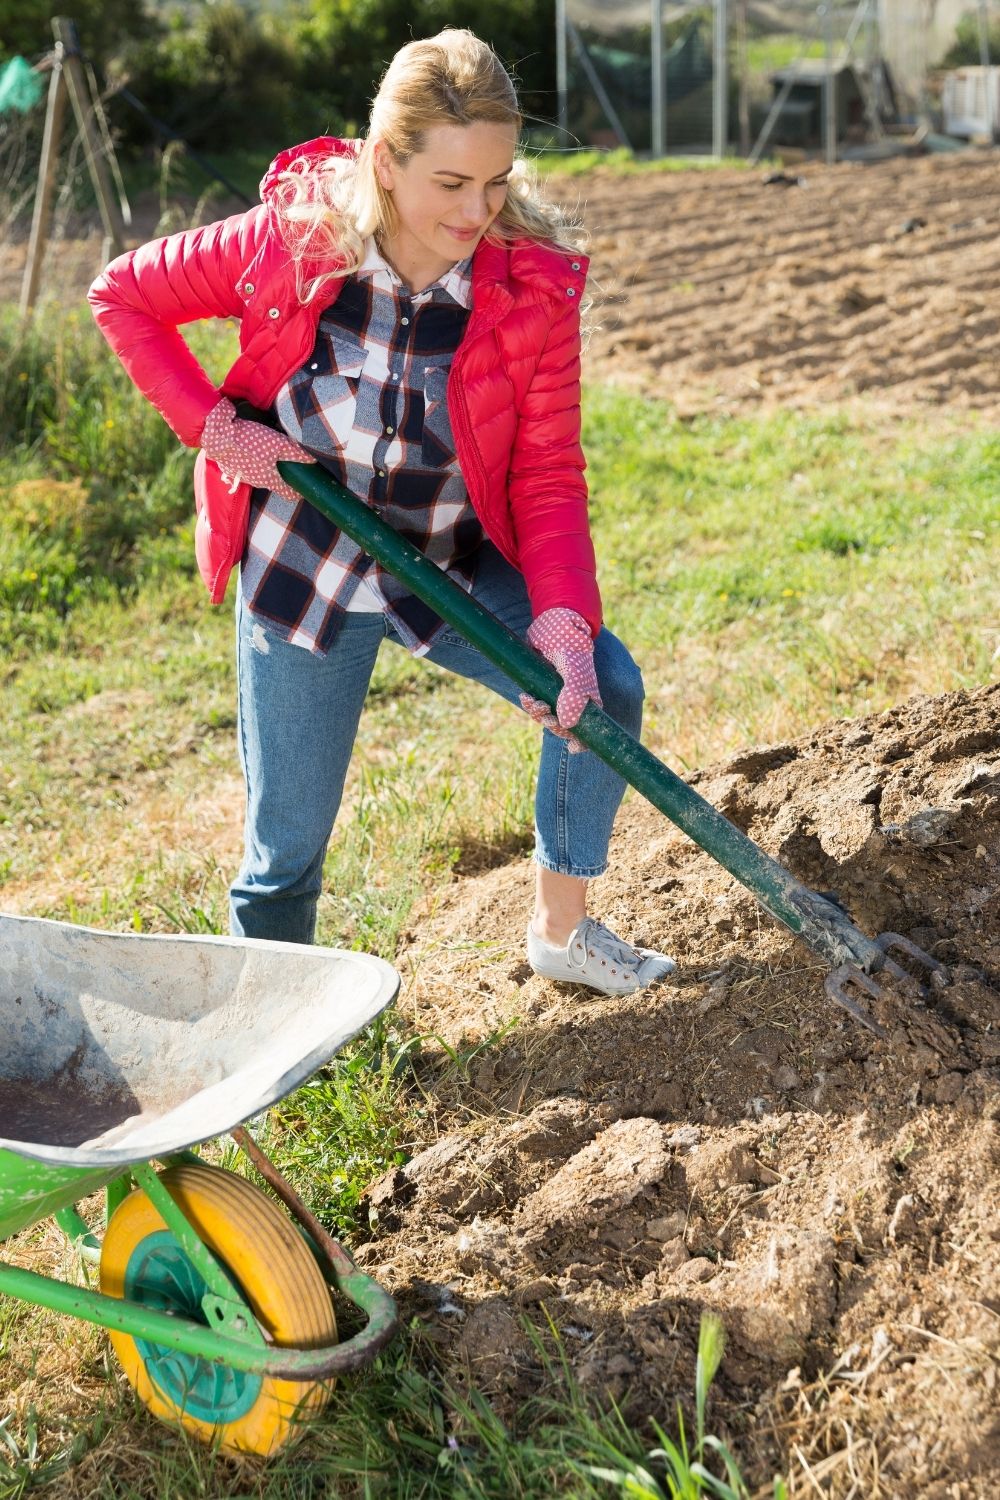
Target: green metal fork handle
{"points": [[196, 1339], [818, 922]]}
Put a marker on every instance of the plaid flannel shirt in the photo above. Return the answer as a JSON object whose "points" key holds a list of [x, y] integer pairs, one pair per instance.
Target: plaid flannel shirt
{"points": [[370, 404]]}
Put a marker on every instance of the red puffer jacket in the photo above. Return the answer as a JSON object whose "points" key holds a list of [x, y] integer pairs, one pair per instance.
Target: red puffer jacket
{"points": [[513, 391]]}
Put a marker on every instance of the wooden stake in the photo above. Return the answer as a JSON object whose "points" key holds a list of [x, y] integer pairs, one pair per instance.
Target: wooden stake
{"points": [[79, 93], [41, 218]]}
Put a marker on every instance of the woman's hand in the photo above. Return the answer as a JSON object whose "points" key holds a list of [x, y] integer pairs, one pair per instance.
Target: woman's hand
{"points": [[248, 451], [563, 638]]}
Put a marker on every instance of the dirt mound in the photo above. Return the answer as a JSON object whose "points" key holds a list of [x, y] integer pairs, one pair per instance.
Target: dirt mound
{"points": [[733, 1140], [721, 290]]}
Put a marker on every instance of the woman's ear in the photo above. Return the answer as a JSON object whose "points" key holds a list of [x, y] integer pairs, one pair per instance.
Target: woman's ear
{"points": [[383, 166]]}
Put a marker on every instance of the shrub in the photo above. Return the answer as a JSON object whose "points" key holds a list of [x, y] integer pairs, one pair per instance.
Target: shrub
{"points": [[95, 484], [965, 50], [223, 80], [26, 26]]}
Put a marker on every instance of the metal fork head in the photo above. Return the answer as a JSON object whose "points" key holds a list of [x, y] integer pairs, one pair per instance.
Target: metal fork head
{"points": [[891, 942], [851, 975], [836, 985]]}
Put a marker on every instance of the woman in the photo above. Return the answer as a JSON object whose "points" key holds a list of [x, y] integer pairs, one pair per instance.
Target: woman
{"points": [[410, 318]]}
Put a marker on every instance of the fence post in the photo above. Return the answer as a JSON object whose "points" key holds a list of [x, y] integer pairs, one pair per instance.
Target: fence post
{"points": [[829, 86], [41, 218], [986, 63], [562, 71], [743, 76], [79, 93], [659, 82], [720, 71]]}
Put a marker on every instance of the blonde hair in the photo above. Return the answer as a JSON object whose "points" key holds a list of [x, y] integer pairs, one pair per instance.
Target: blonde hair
{"points": [[327, 208]]}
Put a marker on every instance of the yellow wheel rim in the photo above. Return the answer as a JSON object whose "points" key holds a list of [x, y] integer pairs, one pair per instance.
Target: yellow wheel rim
{"points": [[276, 1273]]}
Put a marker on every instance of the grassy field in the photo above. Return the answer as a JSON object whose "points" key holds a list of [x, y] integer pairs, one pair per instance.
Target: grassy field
{"points": [[769, 572]]}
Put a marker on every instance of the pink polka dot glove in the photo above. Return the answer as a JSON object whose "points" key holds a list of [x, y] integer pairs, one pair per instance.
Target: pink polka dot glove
{"points": [[247, 451], [563, 638]]}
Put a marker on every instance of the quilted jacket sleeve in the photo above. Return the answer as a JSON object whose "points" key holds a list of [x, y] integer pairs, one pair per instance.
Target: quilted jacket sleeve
{"points": [[546, 487], [142, 298]]}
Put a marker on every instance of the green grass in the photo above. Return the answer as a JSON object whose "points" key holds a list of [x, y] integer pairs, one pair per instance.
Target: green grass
{"points": [[766, 54], [397, 1429], [579, 161], [673, 1471], [768, 571], [783, 569], [96, 486]]}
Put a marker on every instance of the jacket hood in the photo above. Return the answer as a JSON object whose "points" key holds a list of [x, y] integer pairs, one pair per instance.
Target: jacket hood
{"points": [[308, 153]]}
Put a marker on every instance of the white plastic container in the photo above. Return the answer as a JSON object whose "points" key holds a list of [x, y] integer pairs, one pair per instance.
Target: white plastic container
{"points": [[970, 99]]}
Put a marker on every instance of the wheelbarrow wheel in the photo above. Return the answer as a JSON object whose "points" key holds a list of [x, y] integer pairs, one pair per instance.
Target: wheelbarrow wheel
{"points": [[239, 1411]]}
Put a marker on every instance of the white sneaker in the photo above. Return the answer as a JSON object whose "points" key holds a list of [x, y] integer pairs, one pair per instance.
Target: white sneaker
{"points": [[596, 957]]}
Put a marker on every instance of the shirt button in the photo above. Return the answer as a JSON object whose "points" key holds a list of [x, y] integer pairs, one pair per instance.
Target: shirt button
{"points": [[248, 287], [381, 473], [576, 265], [314, 367], [273, 312], [405, 322], [395, 376], [390, 430], [571, 291]]}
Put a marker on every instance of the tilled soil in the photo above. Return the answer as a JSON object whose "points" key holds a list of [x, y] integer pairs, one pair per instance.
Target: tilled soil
{"points": [[733, 1140], [721, 290]]}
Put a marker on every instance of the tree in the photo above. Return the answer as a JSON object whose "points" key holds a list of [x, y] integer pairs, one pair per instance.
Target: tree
{"points": [[347, 44], [26, 26]]}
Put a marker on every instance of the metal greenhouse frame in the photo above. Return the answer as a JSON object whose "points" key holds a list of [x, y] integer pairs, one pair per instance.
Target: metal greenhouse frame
{"points": [[682, 75]]}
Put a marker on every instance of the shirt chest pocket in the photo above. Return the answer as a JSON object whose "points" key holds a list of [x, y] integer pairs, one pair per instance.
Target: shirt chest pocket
{"points": [[318, 403], [336, 365], [438, 442], [325, 392]]}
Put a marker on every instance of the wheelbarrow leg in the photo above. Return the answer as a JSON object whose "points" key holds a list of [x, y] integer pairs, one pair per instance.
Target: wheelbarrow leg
{"points": [[78, 1232], [344, 1274]]}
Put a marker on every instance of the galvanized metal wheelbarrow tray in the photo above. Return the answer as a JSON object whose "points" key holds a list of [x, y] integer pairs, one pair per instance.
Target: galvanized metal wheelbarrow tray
{"points": [[821, 923], [119, 1048]]}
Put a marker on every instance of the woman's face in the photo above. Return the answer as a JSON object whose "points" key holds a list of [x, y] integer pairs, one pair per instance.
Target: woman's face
{"points": [[447, 196]]}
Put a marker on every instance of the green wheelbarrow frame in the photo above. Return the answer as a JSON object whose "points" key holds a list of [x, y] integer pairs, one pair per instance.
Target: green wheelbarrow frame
{"points": [[125, 1049], [821, 923], [32, 1190]]}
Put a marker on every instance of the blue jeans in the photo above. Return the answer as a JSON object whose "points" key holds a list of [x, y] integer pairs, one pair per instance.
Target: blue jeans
{"points": [[298, 717]]}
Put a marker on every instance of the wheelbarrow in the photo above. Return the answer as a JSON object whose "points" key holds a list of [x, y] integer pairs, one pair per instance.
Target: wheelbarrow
{"points": [[117, 1050], [821, 922]]}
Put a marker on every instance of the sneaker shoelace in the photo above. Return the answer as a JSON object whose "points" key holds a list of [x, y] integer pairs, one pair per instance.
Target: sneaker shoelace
{"points": [[606, 944]]}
